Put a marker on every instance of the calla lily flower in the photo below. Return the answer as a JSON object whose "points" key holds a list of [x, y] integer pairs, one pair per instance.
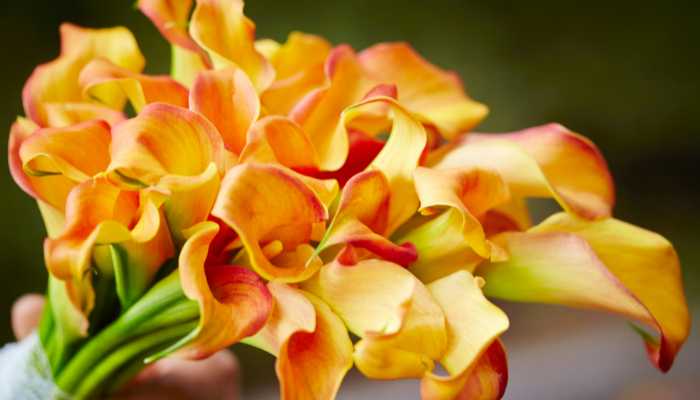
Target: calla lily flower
{"points": [[307, 192]]}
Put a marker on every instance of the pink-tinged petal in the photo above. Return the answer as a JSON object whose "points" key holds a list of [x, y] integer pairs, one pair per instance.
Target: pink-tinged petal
{"points": [[362, 217], [398, 158], [96, 213], [111, 85], [176, 151], [607, 265], [299, 66], [265, 204], [312, 346], [435, 94], [78, 152], [401, 326], [228, 99], [319, 112], [537, 162], [276, 139], [171, 17], [57, 81], [473, 326], [221, 28], [52, 190], [234, 302], [312, 365]]}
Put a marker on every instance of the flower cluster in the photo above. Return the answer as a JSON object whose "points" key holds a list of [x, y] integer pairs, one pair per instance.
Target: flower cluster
{"points": [[303, 191]]}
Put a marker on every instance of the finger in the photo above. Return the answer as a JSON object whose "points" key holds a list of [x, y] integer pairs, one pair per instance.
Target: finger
{"points": [[26, 313], [215, 378]]}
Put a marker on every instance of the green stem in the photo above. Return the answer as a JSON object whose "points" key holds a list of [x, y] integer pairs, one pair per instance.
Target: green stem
{"points": [[163, 305], [98, 376]]}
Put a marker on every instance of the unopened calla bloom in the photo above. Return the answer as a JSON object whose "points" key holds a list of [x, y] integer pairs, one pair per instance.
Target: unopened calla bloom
{"points": [[305, 191]]}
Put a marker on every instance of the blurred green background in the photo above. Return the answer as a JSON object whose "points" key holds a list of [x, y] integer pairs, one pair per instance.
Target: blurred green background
{"points": [[623, 73]]}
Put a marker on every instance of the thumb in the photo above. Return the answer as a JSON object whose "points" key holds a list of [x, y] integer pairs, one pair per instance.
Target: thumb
{"points": [[26, 313]]}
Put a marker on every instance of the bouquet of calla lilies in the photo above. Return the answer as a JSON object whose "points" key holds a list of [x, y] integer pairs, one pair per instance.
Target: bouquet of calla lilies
{"points": [[327, 206]]}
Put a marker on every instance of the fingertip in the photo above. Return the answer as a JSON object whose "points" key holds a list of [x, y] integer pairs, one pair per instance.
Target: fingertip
{"points": [[26, 314]]}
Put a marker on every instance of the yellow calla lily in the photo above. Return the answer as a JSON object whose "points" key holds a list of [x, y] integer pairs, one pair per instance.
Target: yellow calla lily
{"points": [[228, 36], [604, 264], [401, 326], [536, 163], [299, 66]]}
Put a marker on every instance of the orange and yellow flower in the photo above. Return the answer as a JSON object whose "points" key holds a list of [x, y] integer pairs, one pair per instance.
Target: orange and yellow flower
{"points": [[308, 192]]}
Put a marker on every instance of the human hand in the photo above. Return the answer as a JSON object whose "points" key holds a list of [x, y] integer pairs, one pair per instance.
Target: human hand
{"points": [[214, 378]]}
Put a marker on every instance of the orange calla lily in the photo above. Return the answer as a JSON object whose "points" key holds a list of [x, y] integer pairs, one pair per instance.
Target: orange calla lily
{"points": [[98, 213], [313, 349], [175, 151], [270, 207], [57, 81], [234, 302]]}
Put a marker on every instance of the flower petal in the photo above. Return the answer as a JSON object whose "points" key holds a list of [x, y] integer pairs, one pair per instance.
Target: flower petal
{"points": [[473, 325], [220, 27], [60, 115], [138, 260], [52, 190], [361, 219], [276, 139], [78, 152], [398, 159], [57, 81], [110, 84], [171, 17], [362, 150], [401, 327], [234, 302], [319, 113], [312, 365], [228, 99], [173, 150], [471, 192], [607, 264], [299, 66], [423, 88], [266, 203], [536, 162], [96, 213]]}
